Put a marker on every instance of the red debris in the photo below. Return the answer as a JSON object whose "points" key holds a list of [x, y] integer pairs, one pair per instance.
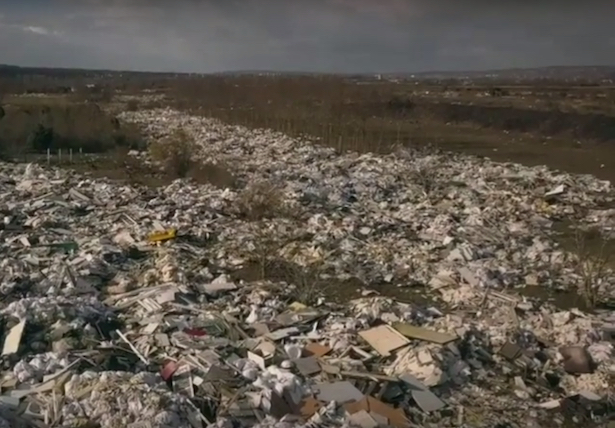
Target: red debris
{"points": [[195, 332], [168, 370]]}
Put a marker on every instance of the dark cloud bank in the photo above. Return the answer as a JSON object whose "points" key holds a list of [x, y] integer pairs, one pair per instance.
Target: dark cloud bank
{"points": [[301, 35]]}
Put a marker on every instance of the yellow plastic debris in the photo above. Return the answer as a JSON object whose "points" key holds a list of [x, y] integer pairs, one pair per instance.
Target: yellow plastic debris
{"points": [[162, 236], [544, 208], [297, 306]]}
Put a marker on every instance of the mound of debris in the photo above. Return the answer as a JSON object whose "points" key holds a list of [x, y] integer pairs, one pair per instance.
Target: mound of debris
{"points": [[126, 307], [398, 219]]}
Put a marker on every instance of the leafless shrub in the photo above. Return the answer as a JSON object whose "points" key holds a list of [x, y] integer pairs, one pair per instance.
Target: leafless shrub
{"points": [[264, 248], [132, 105], [424, 177], [174, 153], [261, 200], [307, 285], [592, 265]]}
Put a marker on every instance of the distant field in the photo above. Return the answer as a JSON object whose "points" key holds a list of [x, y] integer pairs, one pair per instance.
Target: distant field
{"points": [[566, 125]]}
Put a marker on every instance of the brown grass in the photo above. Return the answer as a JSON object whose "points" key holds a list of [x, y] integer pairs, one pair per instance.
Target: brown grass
{"points": [[592, 266], [132, 105], [530, 123], [261, 200], [534, 122], [174, 153], [375, 117], [33, 125]]}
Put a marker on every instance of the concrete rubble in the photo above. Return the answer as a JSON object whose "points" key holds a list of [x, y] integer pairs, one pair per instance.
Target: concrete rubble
{"points": [[128, 307]]}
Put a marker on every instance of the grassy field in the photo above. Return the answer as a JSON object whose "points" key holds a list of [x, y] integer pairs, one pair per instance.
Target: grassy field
{"points": [[565, 127]]}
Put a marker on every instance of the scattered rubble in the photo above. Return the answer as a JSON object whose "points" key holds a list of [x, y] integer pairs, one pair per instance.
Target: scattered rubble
{"points": [[123, 306]]}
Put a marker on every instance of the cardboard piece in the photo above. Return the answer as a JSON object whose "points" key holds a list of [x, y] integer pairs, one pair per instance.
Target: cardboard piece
{"points": [[308, 407], [363, 419], [316, 349], [384, 339], [395, 417], [307, 366], [468, 276], [421, 333], [340, 392]]}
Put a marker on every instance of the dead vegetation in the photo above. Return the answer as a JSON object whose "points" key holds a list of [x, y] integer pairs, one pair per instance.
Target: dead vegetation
{"points": [[380, 116], [262, 200], [262, 251], [307, 284], [174, 153], [593, 267], [264, 263], [35, 126], [372, 117], [132, 105], [426, 178], [533, 122]]}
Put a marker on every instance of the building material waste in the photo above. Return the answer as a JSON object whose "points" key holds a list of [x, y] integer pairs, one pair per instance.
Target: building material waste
{"points": [[376, 298]]}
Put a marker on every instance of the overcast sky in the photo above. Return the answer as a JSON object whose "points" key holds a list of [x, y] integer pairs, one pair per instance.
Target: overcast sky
{"points": [[306, 35]]}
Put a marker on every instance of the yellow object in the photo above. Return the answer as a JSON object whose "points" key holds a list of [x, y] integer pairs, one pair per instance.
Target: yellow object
{"points": [[297, 306], [544, 208], [162, 236]]}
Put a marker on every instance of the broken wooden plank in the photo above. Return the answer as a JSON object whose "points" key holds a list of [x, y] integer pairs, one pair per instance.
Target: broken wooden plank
{"points": [[133, 348], [395, 416]]}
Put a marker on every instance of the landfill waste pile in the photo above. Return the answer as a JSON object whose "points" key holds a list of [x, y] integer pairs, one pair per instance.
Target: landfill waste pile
{"points": [[125, 306]]}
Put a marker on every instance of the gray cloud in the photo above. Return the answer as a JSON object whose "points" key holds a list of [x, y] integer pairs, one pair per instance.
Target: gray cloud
{"points": [[316, 35]]}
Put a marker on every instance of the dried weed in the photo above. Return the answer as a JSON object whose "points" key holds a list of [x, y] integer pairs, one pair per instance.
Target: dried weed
{"points": [[174, 153], [262, 200], [592, 265]]}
